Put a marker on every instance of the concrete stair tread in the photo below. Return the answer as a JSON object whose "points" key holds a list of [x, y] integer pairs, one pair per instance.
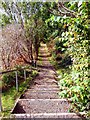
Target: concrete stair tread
{"points": [[43, 89], [42, 106], [43, 86], [40, 96], [44, 94], [31, 91], [46, 83]]}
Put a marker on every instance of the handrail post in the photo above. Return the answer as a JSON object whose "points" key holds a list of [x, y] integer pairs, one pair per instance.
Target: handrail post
{"points": [[25, 74], [16, 73], [0, 104]]}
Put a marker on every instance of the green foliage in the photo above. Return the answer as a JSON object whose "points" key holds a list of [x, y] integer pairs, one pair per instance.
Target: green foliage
{"points": [[76, 84], [9, 97], [34, 73], [5, 20], [72, 44], [7, 79]]}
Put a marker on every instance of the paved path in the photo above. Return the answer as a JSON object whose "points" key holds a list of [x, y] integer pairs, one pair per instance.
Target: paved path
{"points": [[41, 100], [45, 85]]}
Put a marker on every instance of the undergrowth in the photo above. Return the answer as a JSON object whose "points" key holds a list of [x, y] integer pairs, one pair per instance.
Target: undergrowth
{"points": [[10, 96]]}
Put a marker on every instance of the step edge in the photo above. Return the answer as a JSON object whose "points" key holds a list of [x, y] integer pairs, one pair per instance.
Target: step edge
{"points": [[49, 114], [64, 113], [36, 91], [45, 99]]}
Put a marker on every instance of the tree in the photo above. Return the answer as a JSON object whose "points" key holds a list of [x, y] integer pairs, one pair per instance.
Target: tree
{"points": [[11, 43], [28, 16]]}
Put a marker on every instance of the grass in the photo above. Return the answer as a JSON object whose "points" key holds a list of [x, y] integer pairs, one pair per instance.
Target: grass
{"points": [[9, 97]]}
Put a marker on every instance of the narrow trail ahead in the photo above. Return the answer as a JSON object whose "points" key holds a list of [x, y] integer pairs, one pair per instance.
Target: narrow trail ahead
{"points": [[41, 99], [44, 86]]}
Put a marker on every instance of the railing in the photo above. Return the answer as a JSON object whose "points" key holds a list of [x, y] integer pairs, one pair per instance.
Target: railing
{"points": [[16, 76]]}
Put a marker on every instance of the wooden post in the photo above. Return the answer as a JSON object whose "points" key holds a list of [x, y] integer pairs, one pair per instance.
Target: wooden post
{"points": [[16, 73], [25, 75]]}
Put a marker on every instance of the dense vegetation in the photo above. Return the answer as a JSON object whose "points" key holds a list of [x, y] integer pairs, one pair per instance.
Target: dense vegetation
{"points": [[9, 93], [71, 52], [66, 29]]}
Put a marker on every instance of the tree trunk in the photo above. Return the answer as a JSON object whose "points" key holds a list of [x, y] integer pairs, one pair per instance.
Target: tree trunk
{"points": [[29, 47]]}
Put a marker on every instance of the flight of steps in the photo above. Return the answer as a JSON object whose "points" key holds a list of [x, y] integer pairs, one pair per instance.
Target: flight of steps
{"points": [[41, 99]]}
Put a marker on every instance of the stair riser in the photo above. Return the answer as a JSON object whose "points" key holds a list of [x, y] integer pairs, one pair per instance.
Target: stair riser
{"points": [[51, 116]]}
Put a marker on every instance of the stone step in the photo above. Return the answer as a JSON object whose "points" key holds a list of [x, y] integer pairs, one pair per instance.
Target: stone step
{"points": [[40, 95], [45, 82], [44, 86], [34, 106], [50, 116], [42, 89], [50, 80]]}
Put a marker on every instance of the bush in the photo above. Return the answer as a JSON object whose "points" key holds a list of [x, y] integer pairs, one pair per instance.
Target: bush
{"points": [[8, 80], [76, 85]]}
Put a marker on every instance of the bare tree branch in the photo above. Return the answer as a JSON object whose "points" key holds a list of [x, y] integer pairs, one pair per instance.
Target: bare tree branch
{"points": [[66, 12], [62, 10], [54, 12], [18, 11]]}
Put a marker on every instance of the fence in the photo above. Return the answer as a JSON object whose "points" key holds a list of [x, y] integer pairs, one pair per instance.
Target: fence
{"points": [[16, 77]]}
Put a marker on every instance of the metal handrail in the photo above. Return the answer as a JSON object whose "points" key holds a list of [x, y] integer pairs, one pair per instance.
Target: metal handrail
{"points": [[16, 74], [23, 68]]}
